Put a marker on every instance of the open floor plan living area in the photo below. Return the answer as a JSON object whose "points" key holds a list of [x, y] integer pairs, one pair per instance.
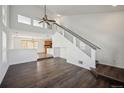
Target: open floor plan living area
{"points": [[61, 46]]}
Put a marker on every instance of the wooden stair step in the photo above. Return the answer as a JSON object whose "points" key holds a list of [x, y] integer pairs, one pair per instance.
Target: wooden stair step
{"points": [[109, 73]]}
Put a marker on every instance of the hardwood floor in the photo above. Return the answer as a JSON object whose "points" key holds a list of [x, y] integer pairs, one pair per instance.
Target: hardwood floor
{"points": [[50, 73], [42, 56]]}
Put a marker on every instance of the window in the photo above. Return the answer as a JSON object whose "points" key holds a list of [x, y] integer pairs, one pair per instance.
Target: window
{"points": [[23, 19], [36, 23], [29, 44], [4, 55], [4, 15]]}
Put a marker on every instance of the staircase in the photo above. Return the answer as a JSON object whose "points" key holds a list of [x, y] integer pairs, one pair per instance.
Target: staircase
{"points": [[73, 48], [87, 52]]}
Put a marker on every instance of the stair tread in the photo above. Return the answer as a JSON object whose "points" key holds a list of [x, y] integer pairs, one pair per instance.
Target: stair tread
{"points": [[109, 72]]}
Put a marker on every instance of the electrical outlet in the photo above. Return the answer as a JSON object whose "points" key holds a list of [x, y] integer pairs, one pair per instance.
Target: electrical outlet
{"points": [[80, 62]]}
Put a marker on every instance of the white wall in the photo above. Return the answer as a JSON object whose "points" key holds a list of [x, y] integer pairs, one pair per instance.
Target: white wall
{"points": [[3, 42], [29, 11], [17, 56], [15, 37], [1, 75], [106, 30], [65, 49], [26, 30]]}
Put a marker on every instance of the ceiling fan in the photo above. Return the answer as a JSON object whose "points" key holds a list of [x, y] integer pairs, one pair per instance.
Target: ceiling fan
{"points": [[45, 18]]}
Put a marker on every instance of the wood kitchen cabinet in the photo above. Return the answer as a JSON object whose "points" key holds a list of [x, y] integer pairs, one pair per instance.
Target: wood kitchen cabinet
{"points": [[47, 44]]}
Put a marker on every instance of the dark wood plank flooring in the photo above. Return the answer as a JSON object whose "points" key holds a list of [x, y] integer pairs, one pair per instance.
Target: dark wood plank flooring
{"points": [[42, 56], [50, 73]]}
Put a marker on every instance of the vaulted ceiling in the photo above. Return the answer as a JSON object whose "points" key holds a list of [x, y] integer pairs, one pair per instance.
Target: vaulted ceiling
{"points": [[68, 10]]}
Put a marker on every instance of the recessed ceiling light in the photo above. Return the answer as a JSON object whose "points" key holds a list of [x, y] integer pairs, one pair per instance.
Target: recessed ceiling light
{"points": [[114, 5]]}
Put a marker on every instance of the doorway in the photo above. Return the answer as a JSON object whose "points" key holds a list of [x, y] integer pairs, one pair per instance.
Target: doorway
{"points": [[46, 53]]}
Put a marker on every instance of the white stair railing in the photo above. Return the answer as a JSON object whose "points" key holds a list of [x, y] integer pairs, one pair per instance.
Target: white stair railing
{"points": [[83, 44]]}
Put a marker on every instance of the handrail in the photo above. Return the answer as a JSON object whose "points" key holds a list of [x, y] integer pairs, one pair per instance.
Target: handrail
{"points": [[79, 37]]}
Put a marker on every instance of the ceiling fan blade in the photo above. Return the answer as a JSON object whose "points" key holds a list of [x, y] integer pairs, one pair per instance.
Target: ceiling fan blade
{"points": [[48, 23], [45, 18], [51, 20], [41, 22], [37, 18]]}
